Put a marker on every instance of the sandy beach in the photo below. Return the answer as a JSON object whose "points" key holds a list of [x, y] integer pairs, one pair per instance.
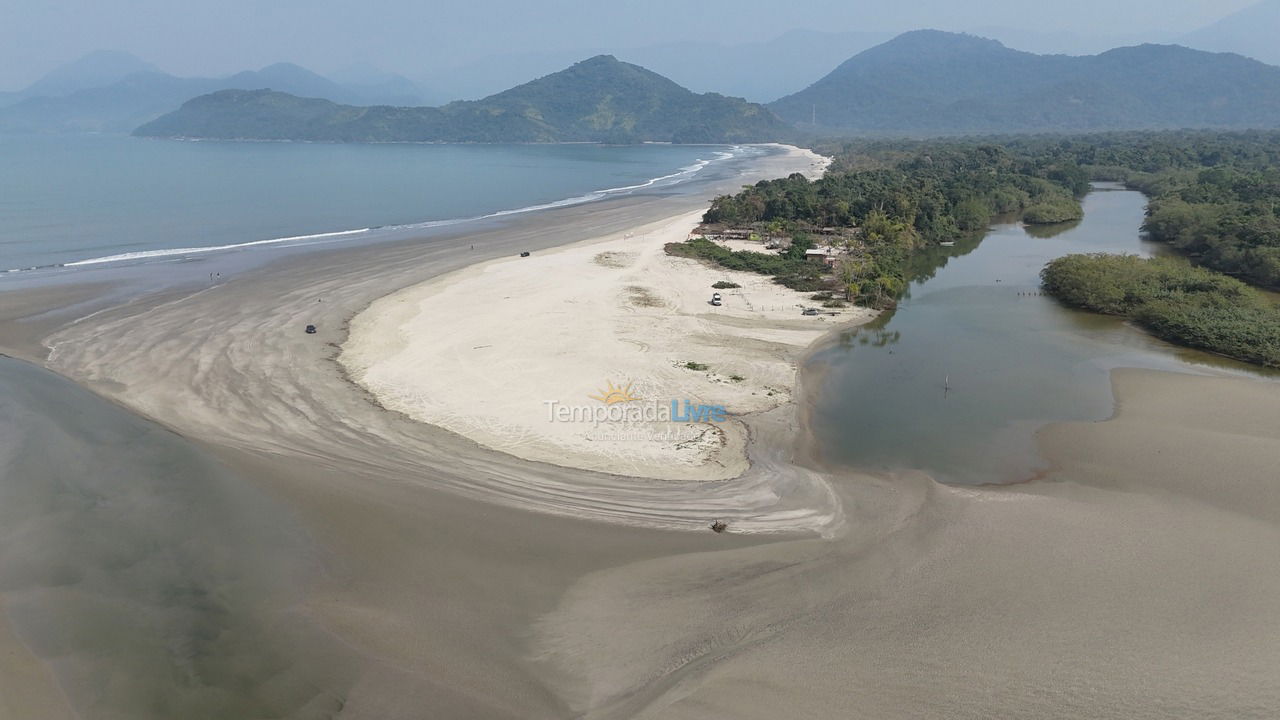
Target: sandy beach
{"points": [[229, 364], [445, 569], [489, 351]]}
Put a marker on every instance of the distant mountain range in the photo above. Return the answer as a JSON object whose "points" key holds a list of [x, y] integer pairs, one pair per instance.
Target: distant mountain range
{"points": [[97, 69], [598, 100], [920, 83], [931, 82], [116, 92], [758, 71], [1252, 32]]}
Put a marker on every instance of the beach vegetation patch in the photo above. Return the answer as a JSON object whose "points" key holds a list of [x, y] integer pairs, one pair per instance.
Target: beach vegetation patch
{"points": [[642, 297], [789, 268], [612, 259]]}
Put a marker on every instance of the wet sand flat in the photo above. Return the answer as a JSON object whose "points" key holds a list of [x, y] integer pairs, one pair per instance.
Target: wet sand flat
{"points": [[1136, 579]]}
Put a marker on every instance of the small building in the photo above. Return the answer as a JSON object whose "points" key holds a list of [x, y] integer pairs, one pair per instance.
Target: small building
{"points": [[825, 256]]}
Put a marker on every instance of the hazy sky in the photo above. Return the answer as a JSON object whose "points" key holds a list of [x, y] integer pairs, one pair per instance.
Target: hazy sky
{"points": [[406, 36]]}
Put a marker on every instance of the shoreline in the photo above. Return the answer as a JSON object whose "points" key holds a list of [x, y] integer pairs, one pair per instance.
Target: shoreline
{"points": [[290, 404], [466, 580], [589, 196]]}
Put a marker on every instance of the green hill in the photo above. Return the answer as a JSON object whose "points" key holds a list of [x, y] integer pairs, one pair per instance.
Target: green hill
{"points": [[931, 82], [597, 100]]}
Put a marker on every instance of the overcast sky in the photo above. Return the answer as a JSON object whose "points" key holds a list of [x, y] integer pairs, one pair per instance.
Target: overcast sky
{"points": [[223, 36]]}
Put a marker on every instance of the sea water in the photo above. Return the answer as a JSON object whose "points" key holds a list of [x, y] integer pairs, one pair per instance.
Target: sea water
{"points": [[71, 200]]}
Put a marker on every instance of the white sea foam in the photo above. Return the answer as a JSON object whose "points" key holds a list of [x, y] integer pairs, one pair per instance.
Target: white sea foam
{"points": [[674, 178], [146, 254]]}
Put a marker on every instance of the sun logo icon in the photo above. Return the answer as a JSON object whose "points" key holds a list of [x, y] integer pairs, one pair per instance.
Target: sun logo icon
{"points": [[614, 394]]}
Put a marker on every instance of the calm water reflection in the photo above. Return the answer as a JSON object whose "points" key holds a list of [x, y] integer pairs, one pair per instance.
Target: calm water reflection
{"points": [[975, 359]]}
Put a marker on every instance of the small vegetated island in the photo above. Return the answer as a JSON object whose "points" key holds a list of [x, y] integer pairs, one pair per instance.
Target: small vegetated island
{"points": [[1174, 300]]}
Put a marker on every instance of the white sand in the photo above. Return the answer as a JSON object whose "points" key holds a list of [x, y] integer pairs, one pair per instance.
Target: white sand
{"points": [[480, 352]]}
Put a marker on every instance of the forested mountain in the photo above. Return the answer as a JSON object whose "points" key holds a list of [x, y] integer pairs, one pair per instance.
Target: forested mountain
{"points": [[930, 82], [759, 71], [597, 100]]}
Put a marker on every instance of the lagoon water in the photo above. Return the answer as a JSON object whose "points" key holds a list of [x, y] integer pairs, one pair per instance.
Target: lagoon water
{"points": [[71, 198], [975, 359]]}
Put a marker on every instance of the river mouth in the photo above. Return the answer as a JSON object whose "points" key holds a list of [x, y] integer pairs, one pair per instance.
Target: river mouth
{"points": [[976, 359]]}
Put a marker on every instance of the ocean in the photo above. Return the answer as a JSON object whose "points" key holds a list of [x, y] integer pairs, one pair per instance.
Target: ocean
{"points": [[72, 200]]}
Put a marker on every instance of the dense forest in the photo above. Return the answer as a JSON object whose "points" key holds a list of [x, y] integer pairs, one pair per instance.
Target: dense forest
{"points": [[900, 198], [1214, 197]]}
